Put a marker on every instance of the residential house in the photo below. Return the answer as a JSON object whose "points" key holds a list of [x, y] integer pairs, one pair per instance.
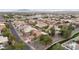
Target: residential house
{"points": [[2, 25], [3, 42]]}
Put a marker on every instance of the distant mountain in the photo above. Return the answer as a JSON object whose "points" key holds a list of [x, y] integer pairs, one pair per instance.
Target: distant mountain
{"points": [[56, 11], [7, 10], [15, 10], [59, 11], [23, 10]]}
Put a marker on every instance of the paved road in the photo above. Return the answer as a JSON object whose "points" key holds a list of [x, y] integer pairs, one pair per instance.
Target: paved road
{"points": [[17, 36], [75, 31], [57, 38]]}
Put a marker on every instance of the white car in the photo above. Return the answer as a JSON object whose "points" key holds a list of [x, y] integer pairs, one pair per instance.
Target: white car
{"points": [[1, 47]]}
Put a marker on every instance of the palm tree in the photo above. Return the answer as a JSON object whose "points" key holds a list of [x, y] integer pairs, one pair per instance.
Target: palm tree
{"points": [[66, 31], [45, 39]]}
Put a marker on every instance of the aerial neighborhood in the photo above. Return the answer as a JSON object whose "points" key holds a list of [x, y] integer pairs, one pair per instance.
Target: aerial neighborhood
{"points": [[39, 31]]}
